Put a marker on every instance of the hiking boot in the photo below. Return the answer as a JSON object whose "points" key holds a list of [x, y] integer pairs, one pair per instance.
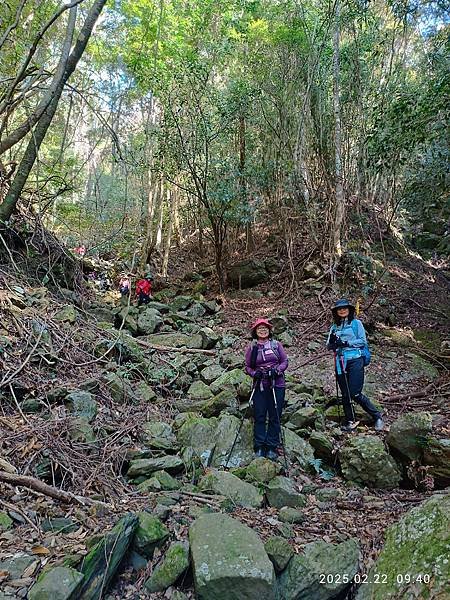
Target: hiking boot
{"points": [[379, 424], [350, 426], [272, 455], [259, 452]]}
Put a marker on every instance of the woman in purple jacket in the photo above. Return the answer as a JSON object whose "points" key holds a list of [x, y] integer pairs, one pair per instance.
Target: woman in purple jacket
{"points": [[266, 361]]}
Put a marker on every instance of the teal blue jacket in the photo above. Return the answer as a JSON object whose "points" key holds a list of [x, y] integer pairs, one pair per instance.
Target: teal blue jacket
{"points": [[356, 341]]}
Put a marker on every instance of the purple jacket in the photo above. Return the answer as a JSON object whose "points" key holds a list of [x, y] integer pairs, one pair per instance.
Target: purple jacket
{"points": [[267, 359]]}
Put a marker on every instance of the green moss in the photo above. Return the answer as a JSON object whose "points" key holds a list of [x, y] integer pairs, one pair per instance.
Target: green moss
{"points": [[417, 545], [173, 566]]}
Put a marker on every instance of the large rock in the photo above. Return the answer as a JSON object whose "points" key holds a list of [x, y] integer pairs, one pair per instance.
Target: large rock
{"points": [[67, 314], [81, 404], [304, 417], [262, 470], [226, 484], [147, 466], [227, 429], [281, 491], [235, 379], [59, 583], [229, 560], [159, 435], [436, 455], [176, 340], [211, 373], [305, 577], [408, 433], [298, 449], [149, 321], [119, 387], [199, 391], [247, 273], [415, 556], [16, 565], [174, 564], [150, 534], [209, 337], [364, 460], [127, 319], [279, 552], [198, 433], [323, 446], [102, 562]]}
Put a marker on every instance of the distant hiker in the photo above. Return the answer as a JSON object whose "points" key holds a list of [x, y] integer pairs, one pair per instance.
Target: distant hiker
{"points": [[124, 288], [347, 339], [266, 361], [144, 289]]}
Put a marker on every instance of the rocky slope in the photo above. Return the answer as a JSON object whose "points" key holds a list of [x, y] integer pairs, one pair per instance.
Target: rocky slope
{"points": [[134, 412]]}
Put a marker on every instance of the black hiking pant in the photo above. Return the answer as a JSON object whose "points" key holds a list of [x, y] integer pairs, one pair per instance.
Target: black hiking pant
{"points": [[351, 382], [267, 435], [143, 299]]}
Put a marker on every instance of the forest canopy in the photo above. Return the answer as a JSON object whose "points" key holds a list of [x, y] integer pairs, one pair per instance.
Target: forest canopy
{"points": [[128, 125]]}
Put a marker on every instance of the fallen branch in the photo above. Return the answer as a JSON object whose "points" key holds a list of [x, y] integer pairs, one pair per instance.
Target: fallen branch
{"points": [[39, 486], [419, 394], [170, 349]]}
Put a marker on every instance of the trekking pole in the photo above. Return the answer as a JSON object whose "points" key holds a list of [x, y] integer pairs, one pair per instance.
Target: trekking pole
{"points": [[250, 404], [338, 403], [344, 372], [283, 445]]}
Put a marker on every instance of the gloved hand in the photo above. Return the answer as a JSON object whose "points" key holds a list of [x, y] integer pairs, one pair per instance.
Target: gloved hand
{"points": [[335, 342], [258, 374]]}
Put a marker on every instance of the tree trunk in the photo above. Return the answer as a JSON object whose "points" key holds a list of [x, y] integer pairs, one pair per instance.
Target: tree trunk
{"points": [[172, 213], [339, 208], [28, 160]]}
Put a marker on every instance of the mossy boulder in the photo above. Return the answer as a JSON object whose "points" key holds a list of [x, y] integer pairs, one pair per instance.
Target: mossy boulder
{"points": [[222, 401], [81, 404], [119, 387], [235, 379], [364, 460], [322, 445], [306, 574], [281, 491], [173, 565], [103, 560], [226, 484], [67, 314], [262, 470], [408, 434], [149, 321], [209, 336], [159, 435], [150, 534], [58, 583], [211, 373], [166, 481], [176, 340], [147, 466], [226, 432], [417, 545], [304, 417], [298, 449], [16, 565], [199, 391], [437, 456], [279, 551], [80, 430], [198, 433], [229, 560]]}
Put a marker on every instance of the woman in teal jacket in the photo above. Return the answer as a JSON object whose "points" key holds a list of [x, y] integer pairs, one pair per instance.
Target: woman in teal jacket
{"points": [[348, 341]]}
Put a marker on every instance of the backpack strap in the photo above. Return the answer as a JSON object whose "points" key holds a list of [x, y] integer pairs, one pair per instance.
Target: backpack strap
{"points": [[254, 356], [274, 346]]}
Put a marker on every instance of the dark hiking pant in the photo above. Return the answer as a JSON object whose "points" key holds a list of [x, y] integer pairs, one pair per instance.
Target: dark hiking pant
{"points": [[143, 299], [354, 377], [267, 435]]}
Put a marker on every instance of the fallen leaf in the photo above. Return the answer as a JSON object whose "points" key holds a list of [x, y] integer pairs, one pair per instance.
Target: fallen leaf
{"points": [[40, 550]]}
